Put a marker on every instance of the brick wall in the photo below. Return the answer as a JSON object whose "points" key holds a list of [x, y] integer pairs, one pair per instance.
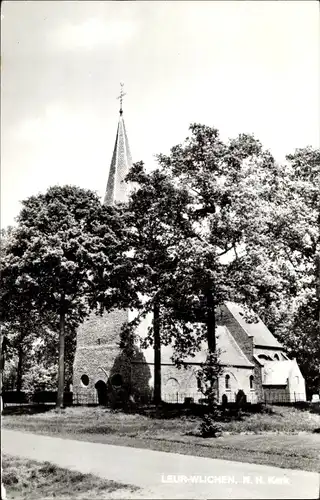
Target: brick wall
{"points": [[97, 347], [245, 342]]}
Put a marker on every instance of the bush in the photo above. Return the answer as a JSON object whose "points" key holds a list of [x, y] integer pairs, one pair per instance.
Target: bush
{"points": [[16, 397], [51, 397], [315, 408], [241, 399], [209, 426]]}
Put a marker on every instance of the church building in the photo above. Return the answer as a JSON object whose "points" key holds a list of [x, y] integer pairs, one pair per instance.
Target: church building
{"points": [[252, 359]]}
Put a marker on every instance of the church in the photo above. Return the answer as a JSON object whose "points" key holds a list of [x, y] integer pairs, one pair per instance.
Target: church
{"points": [[251, 357]]}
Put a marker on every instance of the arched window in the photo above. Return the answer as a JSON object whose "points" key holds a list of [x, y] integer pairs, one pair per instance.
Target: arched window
{"points": [[227, 381], [172, 384], [251, 379], [276, 357], [264, 356]]}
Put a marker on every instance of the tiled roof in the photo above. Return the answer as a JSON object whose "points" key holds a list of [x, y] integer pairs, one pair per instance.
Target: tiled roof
{"points": [[261, 335], [230, 352], [117, 189]]}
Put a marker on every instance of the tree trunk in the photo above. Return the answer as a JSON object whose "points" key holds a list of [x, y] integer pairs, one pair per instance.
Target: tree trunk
{"points": [[157, 353], [211, 341], [61, 361], [2, 361], [20, 368], [318, 286]]}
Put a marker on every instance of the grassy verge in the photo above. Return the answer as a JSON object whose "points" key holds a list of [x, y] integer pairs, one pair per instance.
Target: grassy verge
{"points": [[285, 437], [26, 479]]}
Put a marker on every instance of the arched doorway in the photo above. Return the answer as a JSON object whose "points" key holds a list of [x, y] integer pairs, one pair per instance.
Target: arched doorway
{"points": [[102, 393]]}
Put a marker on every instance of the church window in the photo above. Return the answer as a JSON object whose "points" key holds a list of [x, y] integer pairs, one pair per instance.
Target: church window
{"points": [[264, 356], [276, 357], [297, 380], [227, 381], [85, 380], [99, 341], [251, 379]]}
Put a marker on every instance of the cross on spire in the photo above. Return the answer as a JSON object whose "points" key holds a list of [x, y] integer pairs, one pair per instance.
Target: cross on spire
{"points": [[121, 96]]}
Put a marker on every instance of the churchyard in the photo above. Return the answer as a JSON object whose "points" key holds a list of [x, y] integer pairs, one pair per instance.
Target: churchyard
{"points": [[203, 256], [279, 436]]}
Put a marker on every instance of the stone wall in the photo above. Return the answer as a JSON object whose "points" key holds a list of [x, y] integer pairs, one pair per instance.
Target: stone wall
{"points": [[177, 384], [98, 357], [258, 380]]}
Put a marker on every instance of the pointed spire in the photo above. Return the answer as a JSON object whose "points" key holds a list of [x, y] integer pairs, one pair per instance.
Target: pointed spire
{"points": [[117, 189]]}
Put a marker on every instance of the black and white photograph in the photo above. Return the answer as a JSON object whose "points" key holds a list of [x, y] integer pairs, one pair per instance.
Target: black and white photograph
{"points": [[160, 249]]}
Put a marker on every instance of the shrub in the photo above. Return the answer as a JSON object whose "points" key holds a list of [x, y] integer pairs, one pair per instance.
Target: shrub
{"points": [[241, 399], [16, 397], [315, 408], [51, 397], [209, 426]]}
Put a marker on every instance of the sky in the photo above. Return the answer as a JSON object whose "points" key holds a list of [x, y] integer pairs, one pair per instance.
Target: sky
{"points": [[241, 67]]}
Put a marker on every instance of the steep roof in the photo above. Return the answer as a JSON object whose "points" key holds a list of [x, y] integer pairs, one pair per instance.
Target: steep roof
{"points": [[260, 333], [117, 189], [276, 372], [230, 352]]}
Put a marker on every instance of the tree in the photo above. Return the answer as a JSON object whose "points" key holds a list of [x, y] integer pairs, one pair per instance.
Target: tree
{"points": [[153, 228], [294, 232], [59, 262], [196, 220]]}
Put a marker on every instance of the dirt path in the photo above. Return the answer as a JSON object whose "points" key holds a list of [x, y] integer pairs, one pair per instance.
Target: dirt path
{"points": [[165, 475]]}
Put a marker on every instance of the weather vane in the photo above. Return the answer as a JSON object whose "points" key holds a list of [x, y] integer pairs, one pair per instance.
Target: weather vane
{"points": [[121, 96]]}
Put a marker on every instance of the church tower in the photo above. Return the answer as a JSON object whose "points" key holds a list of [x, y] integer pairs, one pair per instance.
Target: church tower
{"points": [[98, 337]]}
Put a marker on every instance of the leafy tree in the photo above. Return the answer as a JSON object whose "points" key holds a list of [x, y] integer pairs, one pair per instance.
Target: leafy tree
{"points": [[195, 223], [294, 232], [153, 222], [59, 261]]}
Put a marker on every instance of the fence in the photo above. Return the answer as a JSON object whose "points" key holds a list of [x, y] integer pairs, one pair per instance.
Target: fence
{"points": [[270, 397], [274, 396], [38, 397], [85, 399], [91, 398], [198, 398]]}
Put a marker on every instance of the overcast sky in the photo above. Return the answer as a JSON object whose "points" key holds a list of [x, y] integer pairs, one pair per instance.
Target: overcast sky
{"points": [[239, 66]]}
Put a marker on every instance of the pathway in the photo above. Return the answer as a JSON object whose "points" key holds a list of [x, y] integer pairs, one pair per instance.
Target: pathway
{"points": [[165, 475]]}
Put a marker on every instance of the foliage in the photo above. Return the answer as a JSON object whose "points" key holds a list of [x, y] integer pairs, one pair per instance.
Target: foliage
{"points": [[59, 262], [210, 371], [294, 235], [197, 225], [209, 427], [40, 377]]}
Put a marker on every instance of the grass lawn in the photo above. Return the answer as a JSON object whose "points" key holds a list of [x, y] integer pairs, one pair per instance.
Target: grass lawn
{"points": [[28, 479], [286, 437]]}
